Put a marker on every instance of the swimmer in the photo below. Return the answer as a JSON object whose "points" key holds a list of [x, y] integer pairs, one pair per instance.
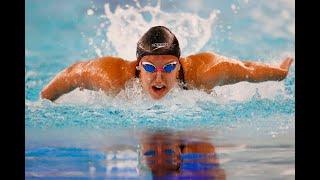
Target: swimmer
{"points": [[160, 68]]}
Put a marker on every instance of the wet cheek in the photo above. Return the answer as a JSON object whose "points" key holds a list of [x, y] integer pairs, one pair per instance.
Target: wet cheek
{"points": [[172, 81], [147, 81], [145, 78]]}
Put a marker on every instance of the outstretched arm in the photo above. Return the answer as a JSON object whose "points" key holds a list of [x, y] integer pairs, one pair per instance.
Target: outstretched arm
{"points": [[229, 71], [107, 73], [63, 82]]}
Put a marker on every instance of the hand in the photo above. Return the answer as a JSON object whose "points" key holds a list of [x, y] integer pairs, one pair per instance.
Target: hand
{"points": [[286, 63]]}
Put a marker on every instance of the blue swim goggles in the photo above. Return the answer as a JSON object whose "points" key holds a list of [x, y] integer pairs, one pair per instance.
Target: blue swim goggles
{"points": [[168, 68]]}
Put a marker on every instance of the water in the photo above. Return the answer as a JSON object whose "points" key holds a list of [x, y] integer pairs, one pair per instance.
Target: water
{"points": [[87, 134]]}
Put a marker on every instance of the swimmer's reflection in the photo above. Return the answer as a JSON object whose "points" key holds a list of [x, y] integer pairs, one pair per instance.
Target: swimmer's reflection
{"points": [[176, 155]]}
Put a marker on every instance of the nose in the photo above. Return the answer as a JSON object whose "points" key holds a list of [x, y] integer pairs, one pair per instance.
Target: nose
{"points": [[158, 76]]}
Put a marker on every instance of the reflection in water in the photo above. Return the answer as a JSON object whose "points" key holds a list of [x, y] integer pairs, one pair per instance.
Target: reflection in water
{"points": [[169, 155]]}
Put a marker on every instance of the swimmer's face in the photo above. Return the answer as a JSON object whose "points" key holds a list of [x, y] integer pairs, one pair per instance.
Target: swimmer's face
{"points": [[159, 83]]}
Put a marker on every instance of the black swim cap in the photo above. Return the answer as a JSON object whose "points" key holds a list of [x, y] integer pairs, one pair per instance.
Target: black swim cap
{"points": [[158, 40]]}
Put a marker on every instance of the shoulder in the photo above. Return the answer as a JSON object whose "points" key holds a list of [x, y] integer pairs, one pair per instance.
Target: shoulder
{"points": [[111, 64], [199, 61], [108, 73], [194, 65], [108, 61], [202, 57]]}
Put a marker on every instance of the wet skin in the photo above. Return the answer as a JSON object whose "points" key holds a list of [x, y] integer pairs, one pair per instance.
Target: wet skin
{"points": [[200, 71]]}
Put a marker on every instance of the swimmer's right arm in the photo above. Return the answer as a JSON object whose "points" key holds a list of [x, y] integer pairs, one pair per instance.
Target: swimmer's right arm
{"points": [[107, 73], [64, 82]]}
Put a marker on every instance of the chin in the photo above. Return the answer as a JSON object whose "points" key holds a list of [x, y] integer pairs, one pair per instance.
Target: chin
{"points": [[157, 96]]}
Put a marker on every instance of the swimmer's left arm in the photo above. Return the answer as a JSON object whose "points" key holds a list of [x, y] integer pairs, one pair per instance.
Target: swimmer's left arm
{"points": [[229, 71]]}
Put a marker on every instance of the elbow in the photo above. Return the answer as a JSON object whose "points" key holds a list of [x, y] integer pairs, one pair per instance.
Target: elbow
{"points": [[283, 75], [45, 94]]}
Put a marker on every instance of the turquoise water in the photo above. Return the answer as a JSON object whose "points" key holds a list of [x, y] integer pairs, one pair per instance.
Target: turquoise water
{"points": [[87, 134]]}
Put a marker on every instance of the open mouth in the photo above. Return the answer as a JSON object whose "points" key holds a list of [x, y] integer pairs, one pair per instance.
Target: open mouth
{"points": [[158, 88]]}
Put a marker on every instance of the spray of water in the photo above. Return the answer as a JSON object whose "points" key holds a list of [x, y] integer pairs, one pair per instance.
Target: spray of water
{"points": [[126, 25]]}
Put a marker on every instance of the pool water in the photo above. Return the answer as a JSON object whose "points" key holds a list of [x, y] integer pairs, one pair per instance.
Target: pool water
{"points": [[249, 127]]}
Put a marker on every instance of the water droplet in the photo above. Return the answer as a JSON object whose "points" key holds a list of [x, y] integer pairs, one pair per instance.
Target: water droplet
{"points": [[90, 12]]}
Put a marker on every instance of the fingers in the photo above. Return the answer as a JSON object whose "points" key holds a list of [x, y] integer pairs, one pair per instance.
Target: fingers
{"points": [[286, 63]]}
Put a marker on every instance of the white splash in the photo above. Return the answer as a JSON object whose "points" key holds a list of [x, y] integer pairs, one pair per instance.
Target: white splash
{"points": [[125, 26], [90, 12], [243, 91], [135, 98]]}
